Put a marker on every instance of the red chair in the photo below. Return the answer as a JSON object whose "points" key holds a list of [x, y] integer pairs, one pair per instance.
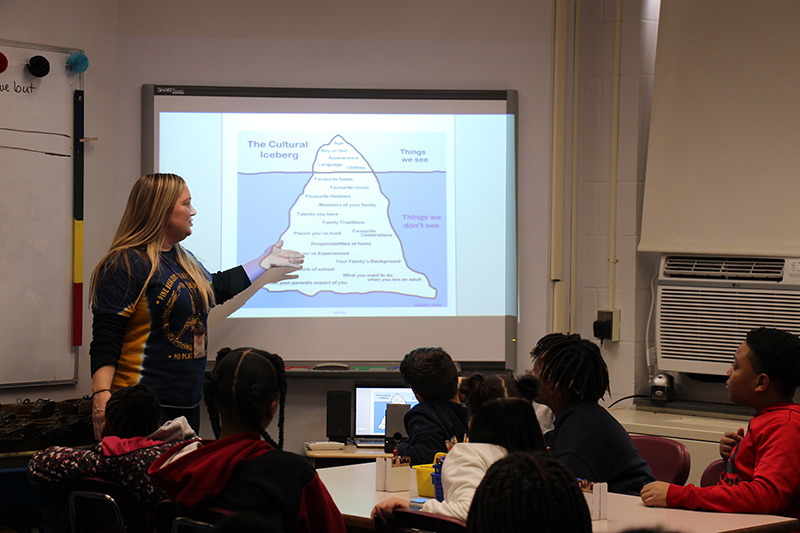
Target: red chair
{"points": [[407, 520], [669, 459], [712, 473]]}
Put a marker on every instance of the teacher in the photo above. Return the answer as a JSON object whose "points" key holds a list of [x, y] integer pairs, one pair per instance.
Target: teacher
{"points": [[150, 301]]}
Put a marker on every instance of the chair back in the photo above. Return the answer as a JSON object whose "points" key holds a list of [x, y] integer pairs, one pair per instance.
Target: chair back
{"points": [[712, 473], [98, 505], [172, 518], [407, 520], [183, 524], [669, 459]]}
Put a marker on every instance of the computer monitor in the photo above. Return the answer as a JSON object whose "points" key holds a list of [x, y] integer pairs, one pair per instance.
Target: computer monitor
{"points": [[370, 410]]}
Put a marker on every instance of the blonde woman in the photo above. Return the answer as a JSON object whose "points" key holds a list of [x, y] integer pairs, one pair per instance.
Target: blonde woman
{"points": [[150, 300]]}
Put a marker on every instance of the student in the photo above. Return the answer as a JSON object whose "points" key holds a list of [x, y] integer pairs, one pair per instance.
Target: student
{"points": [[245, 469], [763, 465], [544, 413], [132, 441], [572, 379], [438, 416], [529, 492], [503, 421]]}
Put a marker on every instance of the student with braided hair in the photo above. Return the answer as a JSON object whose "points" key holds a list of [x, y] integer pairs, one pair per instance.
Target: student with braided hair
{"points": [[529, 492], [503, 421], [132, 440], [245, 469], [544, 413], [572, 379]]}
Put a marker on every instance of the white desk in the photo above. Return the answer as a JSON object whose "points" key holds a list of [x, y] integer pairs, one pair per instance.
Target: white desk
{"points": [[353, 489]]}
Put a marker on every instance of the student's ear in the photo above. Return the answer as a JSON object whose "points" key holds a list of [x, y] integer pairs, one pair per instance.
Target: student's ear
{"points": [[762, 382], [269, 413]]}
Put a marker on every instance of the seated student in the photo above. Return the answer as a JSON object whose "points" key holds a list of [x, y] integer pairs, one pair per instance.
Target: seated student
{"points": [[572, 379], [763, 466], [503, 421], [245, 469], [439, 416], [132, 441], [529, 492], [544, 413]]}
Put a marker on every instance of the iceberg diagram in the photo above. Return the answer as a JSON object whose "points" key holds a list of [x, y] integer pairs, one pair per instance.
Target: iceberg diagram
{"points": [[340, 222]]}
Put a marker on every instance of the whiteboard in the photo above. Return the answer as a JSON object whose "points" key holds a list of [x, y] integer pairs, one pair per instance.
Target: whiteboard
{"points": [[37, 257]]}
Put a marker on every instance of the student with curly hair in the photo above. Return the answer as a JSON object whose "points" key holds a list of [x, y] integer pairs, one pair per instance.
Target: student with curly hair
{"points": [[763, 465], [573, 378], [245, 469], [503, 421], [529, 492], [132, 441]]}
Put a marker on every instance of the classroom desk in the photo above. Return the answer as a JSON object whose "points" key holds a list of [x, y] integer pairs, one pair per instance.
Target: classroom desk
{"points": [[349, 455], [353, 489]]}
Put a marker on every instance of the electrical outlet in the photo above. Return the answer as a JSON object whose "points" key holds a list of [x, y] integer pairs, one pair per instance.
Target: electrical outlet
{"points": [[608, 324]]}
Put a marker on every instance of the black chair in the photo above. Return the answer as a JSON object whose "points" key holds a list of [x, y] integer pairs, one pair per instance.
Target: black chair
{"points": [[183, 524], [407, 521], [172, 518], [98, 505]]}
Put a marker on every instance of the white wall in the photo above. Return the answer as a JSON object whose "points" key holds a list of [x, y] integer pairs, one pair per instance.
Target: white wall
{"points": [[626, 358], [499, 44]]}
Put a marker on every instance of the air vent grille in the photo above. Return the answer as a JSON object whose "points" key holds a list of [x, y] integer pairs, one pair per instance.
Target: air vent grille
{"points": [[734, 268], [705, 326]]}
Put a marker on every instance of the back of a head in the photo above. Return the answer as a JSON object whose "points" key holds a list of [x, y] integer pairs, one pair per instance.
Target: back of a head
{"points": [[132, 412], [478, 390], [575, 367], [776, 352], [244, 382], [507, 422], [550, 340], [431, 372], [528, 492]]}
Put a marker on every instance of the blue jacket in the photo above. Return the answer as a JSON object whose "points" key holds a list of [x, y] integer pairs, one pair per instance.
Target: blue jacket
{"points": [[428, 425]]}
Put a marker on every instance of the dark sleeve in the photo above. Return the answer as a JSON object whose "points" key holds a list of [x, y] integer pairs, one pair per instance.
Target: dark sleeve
{"points": [[108, 334], [425, 439], [318, 512], [229, 283]]}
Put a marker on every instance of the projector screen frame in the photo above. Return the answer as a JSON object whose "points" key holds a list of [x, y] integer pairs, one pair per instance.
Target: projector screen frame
{"points": [[497, 360]]}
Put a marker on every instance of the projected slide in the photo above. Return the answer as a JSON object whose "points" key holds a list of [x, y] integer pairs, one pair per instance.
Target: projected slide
{"points": [[341, 220], [398, 215]]}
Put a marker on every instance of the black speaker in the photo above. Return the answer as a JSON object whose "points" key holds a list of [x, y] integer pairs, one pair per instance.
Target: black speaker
{"points": [[339, 417]]}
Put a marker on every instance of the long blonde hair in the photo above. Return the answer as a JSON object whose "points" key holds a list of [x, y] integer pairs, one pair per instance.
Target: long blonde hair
{"points": [[143, 225]]}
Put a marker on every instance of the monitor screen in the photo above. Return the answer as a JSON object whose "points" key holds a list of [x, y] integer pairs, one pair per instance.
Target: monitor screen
{"points": [[370, 419]]}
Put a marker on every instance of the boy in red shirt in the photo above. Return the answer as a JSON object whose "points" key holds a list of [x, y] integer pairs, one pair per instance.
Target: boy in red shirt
{"points": [[762, 466]]}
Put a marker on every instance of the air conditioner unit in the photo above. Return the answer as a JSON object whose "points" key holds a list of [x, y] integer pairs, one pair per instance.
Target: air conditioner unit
{"points": [[705, 305]]}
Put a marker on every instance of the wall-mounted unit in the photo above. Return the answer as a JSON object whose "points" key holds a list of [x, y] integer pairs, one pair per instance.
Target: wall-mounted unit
{"points": [[705, 305]]}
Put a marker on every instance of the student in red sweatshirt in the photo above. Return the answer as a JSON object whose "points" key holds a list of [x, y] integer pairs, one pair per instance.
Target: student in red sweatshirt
{"points": [[245, 470], [763, 465]]}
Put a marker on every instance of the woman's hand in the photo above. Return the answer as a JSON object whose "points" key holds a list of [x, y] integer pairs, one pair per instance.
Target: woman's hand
{"points": [[276, 256], [99, 401], [383, 510], [655, 494]]}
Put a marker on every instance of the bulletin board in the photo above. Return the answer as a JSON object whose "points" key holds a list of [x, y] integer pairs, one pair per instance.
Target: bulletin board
{"points": [[41, 214]]}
